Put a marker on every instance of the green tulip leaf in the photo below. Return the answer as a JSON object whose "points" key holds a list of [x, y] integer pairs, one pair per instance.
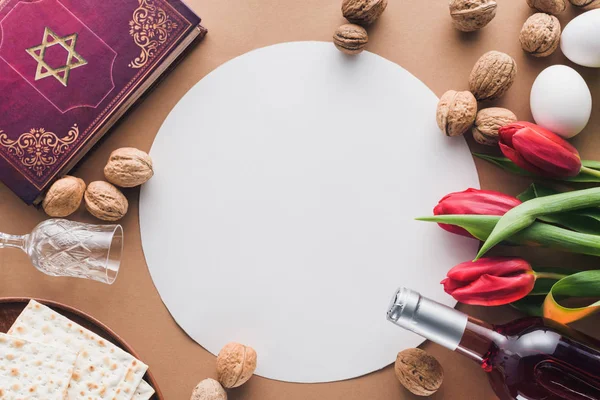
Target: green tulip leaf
{"points": [[503, 163], [591, 164], [574, 221], [525, 214], [585, 220], [479, 226], [538, 234], [581, 284], [530, 305], [593, 213], [528, 194], [536, 190], [507, 165]]}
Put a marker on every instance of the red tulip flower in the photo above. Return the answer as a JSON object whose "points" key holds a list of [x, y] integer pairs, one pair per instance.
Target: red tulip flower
{"points": [[473, 202], [490, 281], [538, 150]]}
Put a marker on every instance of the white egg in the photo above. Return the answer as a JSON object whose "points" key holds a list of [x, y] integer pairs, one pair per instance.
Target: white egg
{"points": [[580, 40], [561, 101]]}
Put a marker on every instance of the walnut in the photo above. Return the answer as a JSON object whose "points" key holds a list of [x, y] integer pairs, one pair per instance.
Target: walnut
{"points": [[105, 202], [209, 389], [586, 4], [235, 364], [487, 123], [350, 38], [64, 197], [548, 6], [419, 372], [363, 12], [456, 112], [540, 35], [128, 167], [471, 15], [492, 75]]}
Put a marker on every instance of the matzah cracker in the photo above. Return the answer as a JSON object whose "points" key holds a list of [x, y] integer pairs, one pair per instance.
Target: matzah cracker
{"points": [[33, 370], [103, 371], [143, 392], [9, 387]]}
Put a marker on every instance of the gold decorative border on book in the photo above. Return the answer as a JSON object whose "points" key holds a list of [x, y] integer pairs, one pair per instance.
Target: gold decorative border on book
{"points": [[39, 149], [150, 29]]}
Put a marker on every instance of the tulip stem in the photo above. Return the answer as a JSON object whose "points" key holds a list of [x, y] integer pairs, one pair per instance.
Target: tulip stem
{"points": [[590, 171], [549, 275]]}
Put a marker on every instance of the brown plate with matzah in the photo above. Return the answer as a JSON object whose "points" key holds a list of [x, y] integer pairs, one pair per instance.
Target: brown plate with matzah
{"points": [[11, 307]]}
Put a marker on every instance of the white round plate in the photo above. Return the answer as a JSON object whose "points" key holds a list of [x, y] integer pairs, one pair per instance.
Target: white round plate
{"points": [[281, 214]]}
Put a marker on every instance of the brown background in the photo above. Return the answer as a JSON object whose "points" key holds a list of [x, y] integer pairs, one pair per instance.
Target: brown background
{"points": [[416, 34]]}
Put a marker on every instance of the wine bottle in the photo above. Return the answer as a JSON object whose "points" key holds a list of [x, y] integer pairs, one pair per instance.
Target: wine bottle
{"points": [[527, 359]]}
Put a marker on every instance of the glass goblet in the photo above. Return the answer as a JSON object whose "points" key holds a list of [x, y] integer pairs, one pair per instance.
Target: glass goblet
{"points": [[59, 247]]}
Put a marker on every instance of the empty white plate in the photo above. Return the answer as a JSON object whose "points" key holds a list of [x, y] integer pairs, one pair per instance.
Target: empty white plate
{"points": [[281, 213]]}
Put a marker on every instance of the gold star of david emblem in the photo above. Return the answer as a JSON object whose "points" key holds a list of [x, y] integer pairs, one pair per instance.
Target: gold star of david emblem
{"points": [[74, 59]]}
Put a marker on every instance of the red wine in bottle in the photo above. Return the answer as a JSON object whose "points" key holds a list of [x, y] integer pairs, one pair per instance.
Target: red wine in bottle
{"points": [[527, 359]]}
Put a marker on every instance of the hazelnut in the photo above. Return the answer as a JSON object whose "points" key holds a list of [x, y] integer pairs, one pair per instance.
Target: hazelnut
{"points": [[128, 167], [492, 75], [64, 197], [209, 389], [350, 38], [235, 365], [456, 112], [488, 122], [540, 35], [419, 372], [548, 6], [586, 4], [363, 12], [105, 202], [471, 15]]}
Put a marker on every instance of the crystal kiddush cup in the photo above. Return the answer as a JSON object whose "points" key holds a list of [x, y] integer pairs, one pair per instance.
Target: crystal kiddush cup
{"points": [[59, 247]]}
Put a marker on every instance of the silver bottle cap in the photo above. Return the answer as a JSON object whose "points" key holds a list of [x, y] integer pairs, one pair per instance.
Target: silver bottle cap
{"points": [[430, 319]]}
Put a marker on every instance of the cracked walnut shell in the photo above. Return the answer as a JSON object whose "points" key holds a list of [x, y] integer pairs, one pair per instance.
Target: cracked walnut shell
{"points": [[235, 364], [456, 112], [350, 38], [128, 167], [105, 202], [363, 12], [540, 35], [419, 372], [488, 122], [209, 389], [548, 6], [64, 197], [492, 75], [471, 15]]}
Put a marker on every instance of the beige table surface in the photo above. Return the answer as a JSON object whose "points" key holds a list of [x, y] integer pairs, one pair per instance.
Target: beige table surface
{"points": [[416, 34]]}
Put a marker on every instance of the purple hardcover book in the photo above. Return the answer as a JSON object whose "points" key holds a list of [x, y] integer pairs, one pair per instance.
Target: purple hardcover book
{"points": [[69, 69]]}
